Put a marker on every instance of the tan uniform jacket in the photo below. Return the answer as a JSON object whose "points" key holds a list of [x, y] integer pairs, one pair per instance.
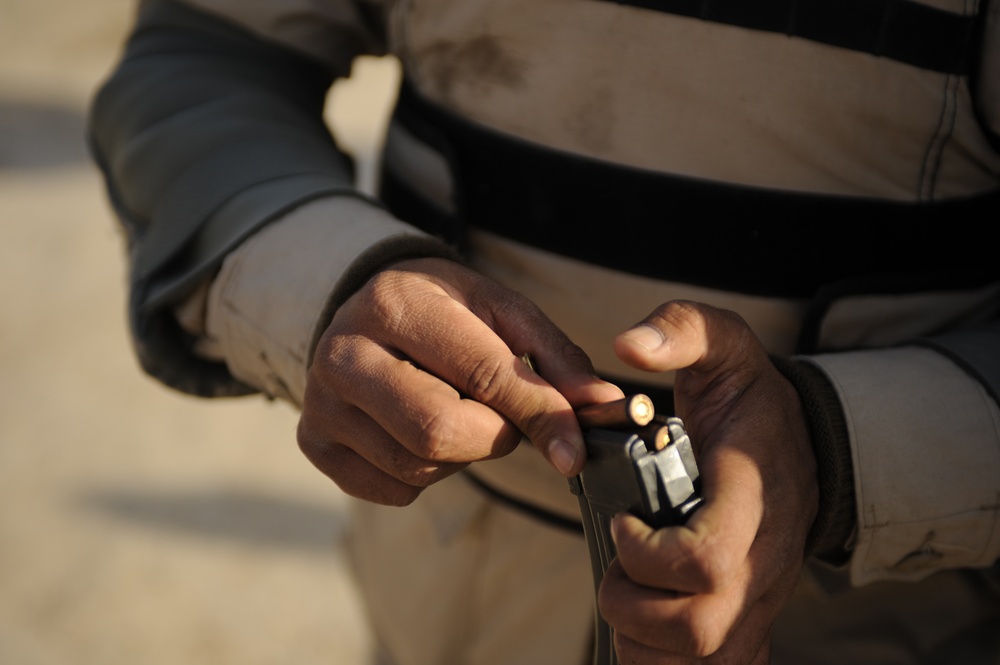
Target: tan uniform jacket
{"points": [[240, 145]]}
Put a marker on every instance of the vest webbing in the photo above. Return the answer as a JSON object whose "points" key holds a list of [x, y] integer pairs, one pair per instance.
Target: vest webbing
{"points": [[744, 239], [901, 30]]}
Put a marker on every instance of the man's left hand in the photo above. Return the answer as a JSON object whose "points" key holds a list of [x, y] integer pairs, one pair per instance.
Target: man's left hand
{"points": [[710, 591]]}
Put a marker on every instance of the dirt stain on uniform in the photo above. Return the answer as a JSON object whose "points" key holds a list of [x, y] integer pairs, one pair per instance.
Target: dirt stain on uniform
{"points": [[481, 63]]}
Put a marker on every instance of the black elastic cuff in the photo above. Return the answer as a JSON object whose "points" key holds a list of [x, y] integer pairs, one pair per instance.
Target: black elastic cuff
{"points": [[837, 515]]}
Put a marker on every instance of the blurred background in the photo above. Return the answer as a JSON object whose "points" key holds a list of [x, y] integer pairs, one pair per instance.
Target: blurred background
{"points": [[138, 525]]}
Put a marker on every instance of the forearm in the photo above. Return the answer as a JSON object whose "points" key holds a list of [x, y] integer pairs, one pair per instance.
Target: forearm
{"points": [[205, 133], [275, 293]]}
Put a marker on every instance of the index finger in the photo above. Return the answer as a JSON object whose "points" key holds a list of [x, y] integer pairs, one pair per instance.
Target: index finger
{"points": [[446, 338]]}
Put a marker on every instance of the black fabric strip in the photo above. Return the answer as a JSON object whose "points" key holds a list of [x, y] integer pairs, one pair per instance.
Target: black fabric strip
{"points": [[742, 239], [531, 510], [901, 30], [973, 350], [837, 513]]}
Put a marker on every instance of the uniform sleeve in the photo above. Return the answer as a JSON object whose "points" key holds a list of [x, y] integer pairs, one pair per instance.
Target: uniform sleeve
{"points": [[908, 438], [908, 441], [210, 128], [265, 334]]}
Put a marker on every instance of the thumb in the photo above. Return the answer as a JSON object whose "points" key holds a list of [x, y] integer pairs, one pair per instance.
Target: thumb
{"points": [[681, 334]]}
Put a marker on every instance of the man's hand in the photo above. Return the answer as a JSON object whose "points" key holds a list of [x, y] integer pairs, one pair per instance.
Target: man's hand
{"points": [[709, 591], [419, 374]]}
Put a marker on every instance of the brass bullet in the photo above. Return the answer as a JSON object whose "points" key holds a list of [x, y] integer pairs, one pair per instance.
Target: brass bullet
{"points": [[632, 411]]}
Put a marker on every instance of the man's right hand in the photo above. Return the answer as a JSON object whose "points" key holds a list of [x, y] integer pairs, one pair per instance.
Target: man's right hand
{"points": [[419, 374]]}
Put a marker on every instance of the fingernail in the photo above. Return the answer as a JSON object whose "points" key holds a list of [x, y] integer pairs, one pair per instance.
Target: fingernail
{"points": [[645, 336], [563, 455]]}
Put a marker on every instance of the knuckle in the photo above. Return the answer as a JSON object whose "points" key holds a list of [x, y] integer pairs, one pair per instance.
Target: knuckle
{"points": [[378, 305], [392, 298], [703, 636], [703, 643], [576, 355], [703, 319], [713, 571], [505, 303], [414, 470], [304, 435], [338, 355], [327, 356], [375, 489], [418, 477], [681, 315], [435, 438], [629, 550], [708, 566], [484, 380], [380, 298], [422, 477], [535, 425], [324, 455]]}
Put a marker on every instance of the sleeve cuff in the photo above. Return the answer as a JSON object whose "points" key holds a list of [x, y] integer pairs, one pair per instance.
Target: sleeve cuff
{"points": [[837, 516], [924, 440], [278, 290]]}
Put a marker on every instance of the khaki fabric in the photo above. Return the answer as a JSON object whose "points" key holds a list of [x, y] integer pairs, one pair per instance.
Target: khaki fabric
{"points": [[458, 579], [266, 337], [616, 83], [927, 506]]}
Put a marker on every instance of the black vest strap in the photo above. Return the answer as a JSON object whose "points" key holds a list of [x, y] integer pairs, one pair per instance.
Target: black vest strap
{"points": [[902, 30], [974, 351], [743, 239]]}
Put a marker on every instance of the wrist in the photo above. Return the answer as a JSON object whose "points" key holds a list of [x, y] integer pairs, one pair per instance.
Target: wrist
{"points": [[390, 250], [832, 530]]}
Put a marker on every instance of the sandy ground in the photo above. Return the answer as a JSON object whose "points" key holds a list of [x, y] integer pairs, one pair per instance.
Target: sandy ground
{"points": [[137, 525]]}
